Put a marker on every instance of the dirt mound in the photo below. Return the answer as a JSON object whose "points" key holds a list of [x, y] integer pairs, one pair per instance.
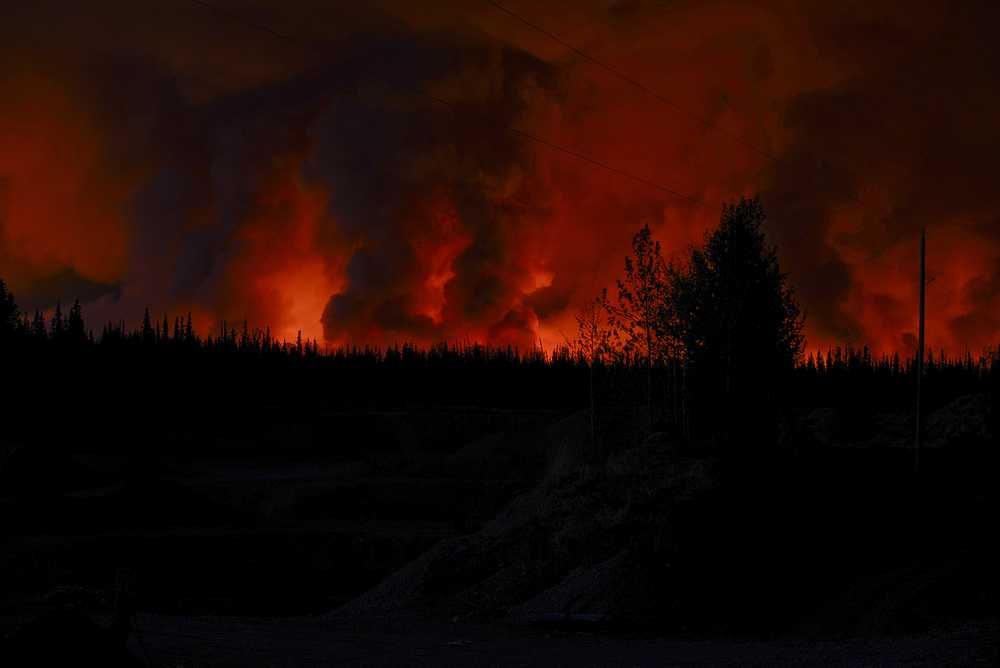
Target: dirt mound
{"points": [[591, 592], [578, 544], [964, 421]]}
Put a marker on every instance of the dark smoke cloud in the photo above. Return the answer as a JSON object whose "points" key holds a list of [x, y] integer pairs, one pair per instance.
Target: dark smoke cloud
{"points": [[163, 155], [396, 161], [903, 141], [214, 199]]}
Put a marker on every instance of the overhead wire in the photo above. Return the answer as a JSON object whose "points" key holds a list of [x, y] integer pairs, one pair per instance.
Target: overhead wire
{"points": [[602, 164], [675, 193], [699, 118]]}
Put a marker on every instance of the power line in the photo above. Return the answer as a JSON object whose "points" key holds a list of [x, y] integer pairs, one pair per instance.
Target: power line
{"points": [[238, 18], [593, 161], [230, 14], [689, 160], [701, 119]]}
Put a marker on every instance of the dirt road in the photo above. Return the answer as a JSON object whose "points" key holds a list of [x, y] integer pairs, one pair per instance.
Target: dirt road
{"points": [[178, 642]]}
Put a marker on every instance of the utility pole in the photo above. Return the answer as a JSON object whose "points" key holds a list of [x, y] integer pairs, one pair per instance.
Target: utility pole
{"points": [[920, 350]]}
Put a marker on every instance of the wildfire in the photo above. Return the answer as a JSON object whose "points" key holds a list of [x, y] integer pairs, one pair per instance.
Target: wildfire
{"points": [[129, 179]]}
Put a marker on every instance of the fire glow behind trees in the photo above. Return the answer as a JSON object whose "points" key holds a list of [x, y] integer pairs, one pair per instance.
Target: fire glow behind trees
{"points": [[291, 164]]}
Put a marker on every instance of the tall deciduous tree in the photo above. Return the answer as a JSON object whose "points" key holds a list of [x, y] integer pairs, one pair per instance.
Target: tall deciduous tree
{"points": [[593, 342], [642, 313]]}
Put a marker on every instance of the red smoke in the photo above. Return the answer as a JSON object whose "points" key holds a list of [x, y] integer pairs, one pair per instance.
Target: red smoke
{"points": [[185, 161]]}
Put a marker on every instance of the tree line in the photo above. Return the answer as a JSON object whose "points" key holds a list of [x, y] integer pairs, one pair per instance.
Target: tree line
{"points": [[709, 347], [62, 330]]}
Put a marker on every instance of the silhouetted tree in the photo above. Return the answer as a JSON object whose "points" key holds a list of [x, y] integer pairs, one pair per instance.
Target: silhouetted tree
{"points": [[38, 330], [10, 315], [147, 334], [641, 314], [739, 322], [593, 342], [58, 324], [76, 331]]}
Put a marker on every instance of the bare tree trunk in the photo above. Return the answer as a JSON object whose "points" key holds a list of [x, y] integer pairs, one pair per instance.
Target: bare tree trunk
{"points": [[920, 355], [593, 430], [649, 386], [685, 416], [675, 412], [666, 393]]}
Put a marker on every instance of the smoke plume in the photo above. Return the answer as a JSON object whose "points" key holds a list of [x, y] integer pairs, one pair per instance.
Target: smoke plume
{"points": [[369, 176]]}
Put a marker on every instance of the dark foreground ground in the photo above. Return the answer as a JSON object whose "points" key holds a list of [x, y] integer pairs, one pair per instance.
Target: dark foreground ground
{"points": [[457, 537]]}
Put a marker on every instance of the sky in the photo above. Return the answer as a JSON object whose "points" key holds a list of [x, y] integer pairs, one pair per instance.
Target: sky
{"points": [[396, 171]]}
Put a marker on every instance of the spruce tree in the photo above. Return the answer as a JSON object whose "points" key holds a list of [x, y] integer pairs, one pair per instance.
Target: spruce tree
{"points": [[38, 330], [76, 331], [10, 315], [739, 322], [147, 334], [58, 324]]}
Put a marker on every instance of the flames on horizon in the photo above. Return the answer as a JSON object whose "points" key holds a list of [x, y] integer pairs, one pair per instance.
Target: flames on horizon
{"points": [[354, 176]]}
